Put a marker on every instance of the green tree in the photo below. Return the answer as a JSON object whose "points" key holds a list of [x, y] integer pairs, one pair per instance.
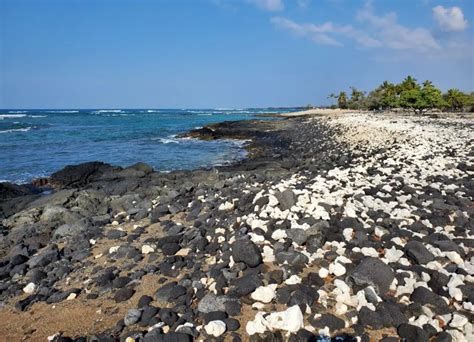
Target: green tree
{"points": [[470, 102], [389, 95], [412, 99], [455, 99], [383, 97], [432, 96], [342, 100], [409, 83], [373, 100], [357, 99]]}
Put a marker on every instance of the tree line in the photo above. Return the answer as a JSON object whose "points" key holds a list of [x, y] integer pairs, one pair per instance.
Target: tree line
{"points": [[409, 95]]}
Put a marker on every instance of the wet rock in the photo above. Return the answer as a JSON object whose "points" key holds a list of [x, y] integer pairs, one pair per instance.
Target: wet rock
{"points": [[80, 175]]}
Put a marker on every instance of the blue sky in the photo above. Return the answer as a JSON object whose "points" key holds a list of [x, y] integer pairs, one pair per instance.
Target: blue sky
{"points": [[224, 53]]}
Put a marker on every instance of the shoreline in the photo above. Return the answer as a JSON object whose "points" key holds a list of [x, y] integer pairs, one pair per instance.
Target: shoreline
{"points": [[205, 133], [335, 224]]}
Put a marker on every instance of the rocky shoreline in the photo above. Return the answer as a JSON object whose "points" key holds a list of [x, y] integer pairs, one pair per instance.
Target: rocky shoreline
{"points": [[357, 225]]}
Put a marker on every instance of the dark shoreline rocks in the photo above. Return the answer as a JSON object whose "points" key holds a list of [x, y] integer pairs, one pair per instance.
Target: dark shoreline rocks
{"points": [[331, 230]]}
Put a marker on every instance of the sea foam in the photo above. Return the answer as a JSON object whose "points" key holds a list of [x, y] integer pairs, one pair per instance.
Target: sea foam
{"points": [[26, 129], [11, 116]]}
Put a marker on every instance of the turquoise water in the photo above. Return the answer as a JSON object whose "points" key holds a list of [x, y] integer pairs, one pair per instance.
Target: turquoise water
{"points": [[36, 143]]}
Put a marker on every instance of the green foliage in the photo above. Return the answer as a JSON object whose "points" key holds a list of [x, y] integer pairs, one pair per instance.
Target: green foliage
{"points": [[357, 99], [456, 99], [432, 96], [412, 99], [385, 96], [342, 100], [409, 83], [408, 94]]}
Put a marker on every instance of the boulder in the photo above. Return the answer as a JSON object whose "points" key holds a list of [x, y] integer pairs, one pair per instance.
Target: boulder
{"points": [[372, 272], [80, 175], [417, 252], [246, 251]]}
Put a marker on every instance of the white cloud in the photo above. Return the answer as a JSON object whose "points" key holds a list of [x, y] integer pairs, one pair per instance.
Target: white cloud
{"points": [[449, 19], [396, 36], [325, 33], [375, 32], [268, 5], [316, 33]]}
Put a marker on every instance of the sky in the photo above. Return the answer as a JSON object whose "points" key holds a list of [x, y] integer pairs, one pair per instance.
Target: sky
{"points": [[225, 53]]}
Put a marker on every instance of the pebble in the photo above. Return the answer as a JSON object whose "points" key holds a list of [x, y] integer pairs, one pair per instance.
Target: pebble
{"points": [[132, 317], [372, 272], [350, 222], [247, 252], [264, 294], [337, 269], [147, 249], [290, 320], [215, 328], [30, 288]]}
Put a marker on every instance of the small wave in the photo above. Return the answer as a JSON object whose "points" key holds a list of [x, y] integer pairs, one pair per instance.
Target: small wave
{"points": [[169, 140], [62, 111], [16, 130], [205, 114], [172, 139], [37, 116], [10, 116], [107, 111], [17, 111], [117, 114]]}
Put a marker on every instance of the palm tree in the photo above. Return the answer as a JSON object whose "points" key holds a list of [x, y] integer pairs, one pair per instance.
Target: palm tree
{"points": [[342, 100], [409, 83], [455, 99]]}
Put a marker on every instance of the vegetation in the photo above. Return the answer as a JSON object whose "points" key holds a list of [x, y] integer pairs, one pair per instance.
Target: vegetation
{"points": [[409, 95]]}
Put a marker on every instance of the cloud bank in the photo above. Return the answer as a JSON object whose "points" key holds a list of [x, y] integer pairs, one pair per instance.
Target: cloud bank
{"points": [[372, 30]]}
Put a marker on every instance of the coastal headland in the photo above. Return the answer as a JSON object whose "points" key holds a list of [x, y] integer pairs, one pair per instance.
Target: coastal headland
{"points": [[349, 224]]}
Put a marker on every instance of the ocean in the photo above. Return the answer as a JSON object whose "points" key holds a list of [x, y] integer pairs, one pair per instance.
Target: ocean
{"points": [[36, 143]]}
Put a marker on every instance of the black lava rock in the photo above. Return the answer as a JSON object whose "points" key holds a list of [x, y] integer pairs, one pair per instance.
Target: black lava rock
{"points": [[246, 251]]}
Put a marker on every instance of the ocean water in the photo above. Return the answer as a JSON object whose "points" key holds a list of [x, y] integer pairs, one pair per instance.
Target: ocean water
{"points": [[36, 143]]}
